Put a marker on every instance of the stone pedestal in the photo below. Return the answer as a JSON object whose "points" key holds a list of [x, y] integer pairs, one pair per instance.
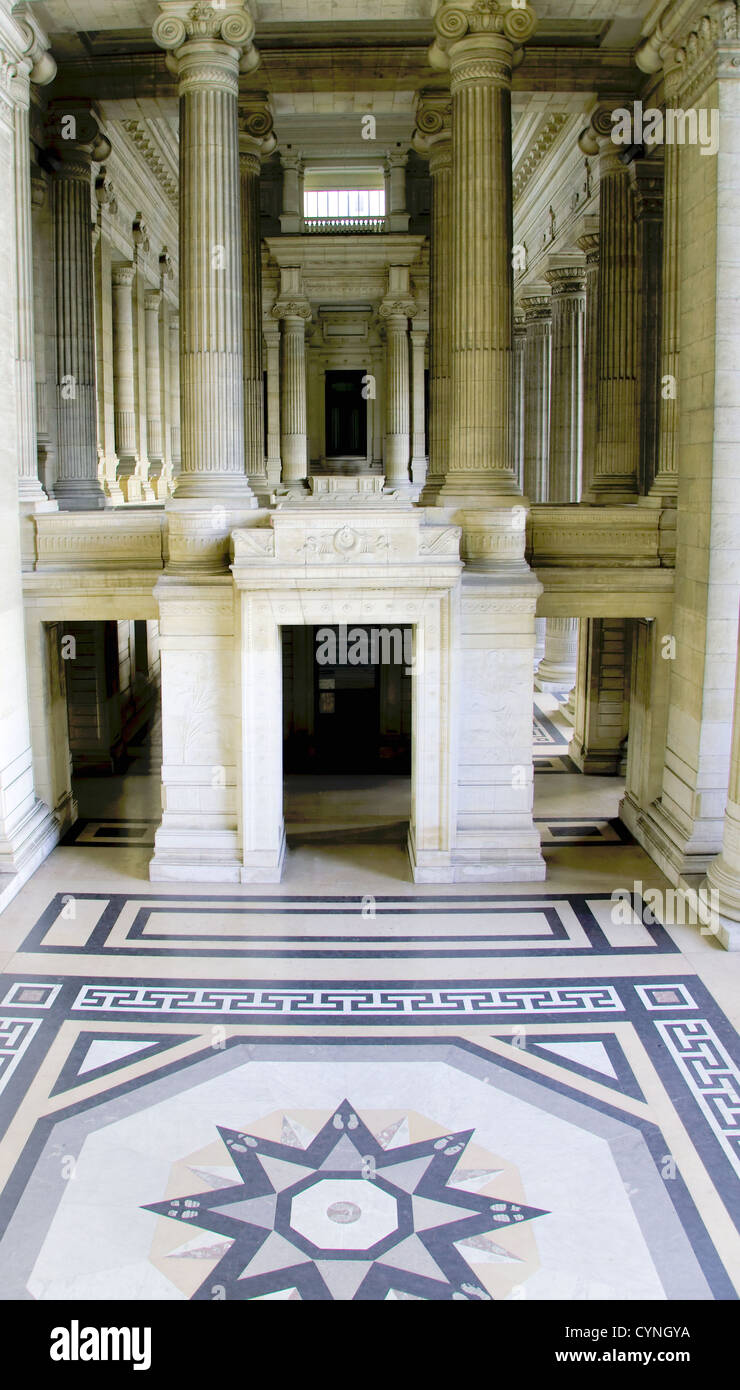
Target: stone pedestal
{"points": [[478, 48], [77, 486], [207, 46]]}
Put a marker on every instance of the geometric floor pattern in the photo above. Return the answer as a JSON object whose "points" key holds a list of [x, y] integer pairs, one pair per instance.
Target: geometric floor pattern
{"points": [[360, 1125]]}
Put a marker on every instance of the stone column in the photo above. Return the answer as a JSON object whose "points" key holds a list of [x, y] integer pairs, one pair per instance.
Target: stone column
{"points": [[123, 379], [209, 45], [396, 310], [537, 350], [46, 448], [557, 670], [37, 66], [397, 218], [173, 330], [616, 468], [433, 137], [295, 311], [291, 216], [589, 244], [152, 305], [723, 874], [76, 141], [478, 48], [418, 433], [647, 186], [272, 344], [601, 720], [517, 391], [27, 829], [255, 140], [683, 828]]}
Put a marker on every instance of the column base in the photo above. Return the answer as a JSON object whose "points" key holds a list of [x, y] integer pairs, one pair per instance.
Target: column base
{"points": [[216, 488], [264, 866], [195, 855], [73, 496], [32, 842], [667, 843], [552, 676], [476, 489], [502, 863]]}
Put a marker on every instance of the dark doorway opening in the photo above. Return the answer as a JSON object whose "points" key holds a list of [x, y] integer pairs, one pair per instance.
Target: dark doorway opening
{"points": [[347, 699], [346, 415], [347, 734]]}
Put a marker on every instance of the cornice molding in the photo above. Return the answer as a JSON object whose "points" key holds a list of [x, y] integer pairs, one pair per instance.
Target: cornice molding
{"points": [[537, 150]]}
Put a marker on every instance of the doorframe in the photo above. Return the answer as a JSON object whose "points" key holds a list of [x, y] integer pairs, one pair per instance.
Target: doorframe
{"points": [[433, 723]]}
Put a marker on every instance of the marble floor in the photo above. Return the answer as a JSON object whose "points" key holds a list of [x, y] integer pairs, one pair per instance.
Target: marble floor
{"points": [[349, 1086]]}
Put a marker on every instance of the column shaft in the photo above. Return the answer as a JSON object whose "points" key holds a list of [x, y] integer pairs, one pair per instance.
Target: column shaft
{"points": [[665, 482], [30, 488], [617, 449], [537, 351], [433, 139], [589, 243], [418, 399], [517, 392], [293, 437], [173, 330], [254, 422], [152, 303], [273, 461], [77, 485]]}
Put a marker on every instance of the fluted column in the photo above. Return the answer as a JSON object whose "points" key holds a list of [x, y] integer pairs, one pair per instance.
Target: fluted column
{"points": [[152, 305], [618, 443], [538, 329], [173, 331], [43, 71], [588, 242], [273, 463], [478, 48], [76, 141], [255, 140], [558, 668], [208, 46], [295, 311], [665, 482], [568, 286], [124, 412], [723, 874], [433, 138], [418, 431], [43, 313], [647, 190], [396, 310], [517, 397], [291, 216]]}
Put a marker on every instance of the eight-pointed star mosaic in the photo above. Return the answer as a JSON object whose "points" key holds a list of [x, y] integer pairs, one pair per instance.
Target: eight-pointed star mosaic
{"points": [[344, 1217]]}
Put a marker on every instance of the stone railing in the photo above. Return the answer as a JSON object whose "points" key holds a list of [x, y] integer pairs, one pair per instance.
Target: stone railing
{"points": [[330, 226]]}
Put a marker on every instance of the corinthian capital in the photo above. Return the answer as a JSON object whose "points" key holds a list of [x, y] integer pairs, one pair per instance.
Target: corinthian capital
{"points": [[229, 22], [465, 19]]}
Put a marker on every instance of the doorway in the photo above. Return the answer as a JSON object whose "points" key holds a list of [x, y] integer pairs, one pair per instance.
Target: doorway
{"points": [[347, 732], [346, 415]]}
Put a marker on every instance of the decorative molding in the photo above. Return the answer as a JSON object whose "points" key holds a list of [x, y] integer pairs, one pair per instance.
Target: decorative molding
{"points": [[144, 144], [536, 151]]}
